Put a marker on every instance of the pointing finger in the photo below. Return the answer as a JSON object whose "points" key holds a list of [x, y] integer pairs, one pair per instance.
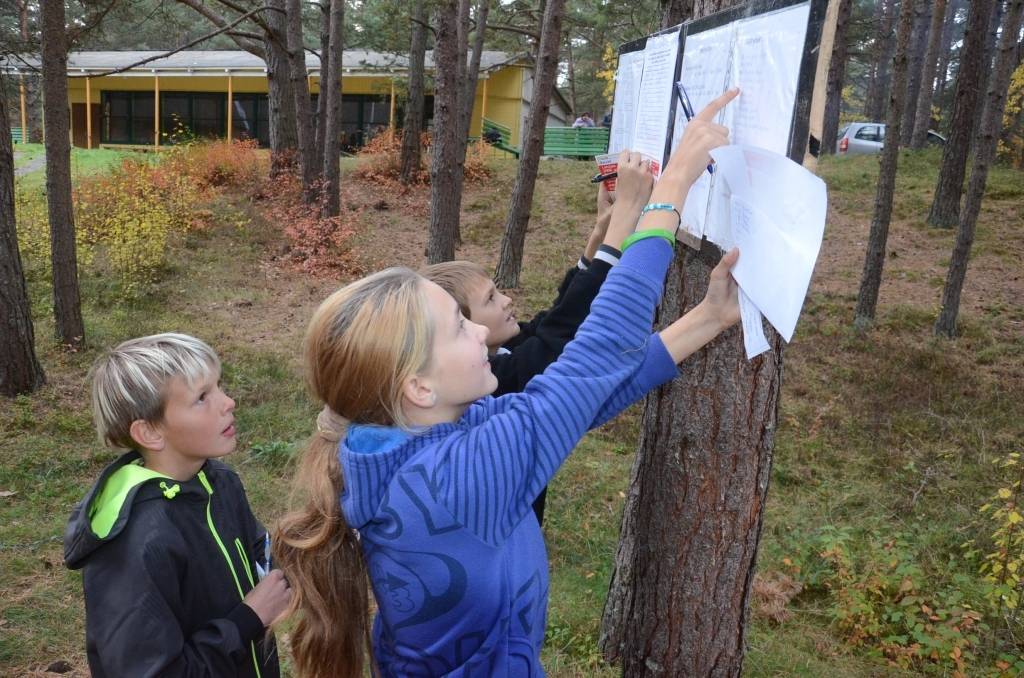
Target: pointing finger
{"points": [[712, 109]]}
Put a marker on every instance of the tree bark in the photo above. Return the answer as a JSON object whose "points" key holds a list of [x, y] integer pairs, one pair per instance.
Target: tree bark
{"points": [[985, 152], [915, 67], [325, 52], [882, 53], [67, 309], [20, 371], [678, 599], [308, 157], [510, 260], [923, 116], [411, 160], [945, 207], [444, 202], [836, 77], [332, 124], [991, 39], [675, 12], [871, 278], [946, 51]]}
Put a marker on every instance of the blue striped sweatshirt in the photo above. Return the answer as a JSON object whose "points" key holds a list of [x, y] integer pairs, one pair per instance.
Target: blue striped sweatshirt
{"points": [[454, 552]]}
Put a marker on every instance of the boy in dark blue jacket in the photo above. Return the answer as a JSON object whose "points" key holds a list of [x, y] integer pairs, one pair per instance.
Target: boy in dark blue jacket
{"points": [[174, 568]]}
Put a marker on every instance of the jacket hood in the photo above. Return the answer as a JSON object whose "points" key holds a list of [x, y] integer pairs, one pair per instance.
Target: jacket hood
{"points": [[370, 456], [106, 509]]}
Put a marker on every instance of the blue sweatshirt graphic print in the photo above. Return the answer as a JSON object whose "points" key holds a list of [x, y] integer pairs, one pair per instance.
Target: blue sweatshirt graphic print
{"points": [[455, 554]]}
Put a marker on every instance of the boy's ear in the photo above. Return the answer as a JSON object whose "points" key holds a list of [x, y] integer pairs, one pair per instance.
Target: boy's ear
{"points": [[418, 392], [146, 435]]}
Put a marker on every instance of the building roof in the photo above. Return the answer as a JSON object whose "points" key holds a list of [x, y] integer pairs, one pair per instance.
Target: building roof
{"points": [[240, 61]]}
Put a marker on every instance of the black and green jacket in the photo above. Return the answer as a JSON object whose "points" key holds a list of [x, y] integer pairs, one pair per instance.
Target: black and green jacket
{"points": [[165, 567]]}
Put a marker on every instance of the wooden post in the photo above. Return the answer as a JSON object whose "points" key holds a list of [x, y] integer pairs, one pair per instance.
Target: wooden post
{"points": [[25, 118], [391, 114], [231, 107], [88, 113], [483, 108], [156, 110], [71, 122]]}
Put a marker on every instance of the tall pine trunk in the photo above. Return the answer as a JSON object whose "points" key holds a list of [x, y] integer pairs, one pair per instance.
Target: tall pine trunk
{"points": [[20, 371], [945, 207], [411, 159], [678, 600], [67, 309], [330, 92], [915, 67], [871, 277], [985, 151], [881, 57], [325, 54], [468, 95], [308, 158], [836, 77], [444, 202], [510, 260], [923, 115], [946, 50], [284, 139]]}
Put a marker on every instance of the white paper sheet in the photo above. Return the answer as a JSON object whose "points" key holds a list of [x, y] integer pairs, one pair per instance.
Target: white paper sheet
{"points": [[777, 218], [705, 74], [754, 341], [765, 65], [627, 89], [655, 98]]}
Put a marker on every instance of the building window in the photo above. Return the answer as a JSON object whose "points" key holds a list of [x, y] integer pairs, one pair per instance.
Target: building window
{"points": [[127, 118], [250, 117], [192, 114]]}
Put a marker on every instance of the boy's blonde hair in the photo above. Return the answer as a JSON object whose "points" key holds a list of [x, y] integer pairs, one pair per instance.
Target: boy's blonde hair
{"points": [[457, 278], [129, 382]]}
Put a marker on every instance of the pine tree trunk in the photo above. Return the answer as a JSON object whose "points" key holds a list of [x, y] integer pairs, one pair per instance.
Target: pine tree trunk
{"points": [[411, 160], [946, 50], [991, 39], [945, 208], [675, 12], [923, 116], [63, 253], [678, 600], [985, 152], [915, 67], [836, 78], [284, 137], [468, 96], [325, 54], [331, 94], [510, 259], [20, 371], [308, 157], [882, 53], [871, 278], [444, 202]]}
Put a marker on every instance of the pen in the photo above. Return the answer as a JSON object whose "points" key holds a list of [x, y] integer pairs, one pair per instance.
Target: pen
{"points": [[684, 101], [266, 550], [598, 178]]}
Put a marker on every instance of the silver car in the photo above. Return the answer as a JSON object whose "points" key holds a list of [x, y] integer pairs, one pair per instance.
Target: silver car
{"points": [[865, 138]]}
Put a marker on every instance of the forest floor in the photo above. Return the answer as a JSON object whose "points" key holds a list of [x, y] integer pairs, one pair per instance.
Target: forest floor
{"points": [[884, 454]]}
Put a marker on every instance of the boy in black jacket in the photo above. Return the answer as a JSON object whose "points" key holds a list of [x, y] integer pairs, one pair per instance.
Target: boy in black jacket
{"points": [[174, 563], [522, 350]]}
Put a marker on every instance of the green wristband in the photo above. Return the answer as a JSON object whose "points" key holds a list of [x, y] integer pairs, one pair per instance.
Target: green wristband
{"points": [[669, 237]]}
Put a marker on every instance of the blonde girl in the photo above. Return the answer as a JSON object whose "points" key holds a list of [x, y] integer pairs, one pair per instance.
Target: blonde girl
{"points": [[419, 481]]}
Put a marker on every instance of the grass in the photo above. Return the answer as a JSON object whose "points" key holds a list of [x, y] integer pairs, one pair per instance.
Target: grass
{"points": [[885, 436]]}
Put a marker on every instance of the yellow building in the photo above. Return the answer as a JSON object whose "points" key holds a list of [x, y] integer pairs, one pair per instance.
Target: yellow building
{"points": [[223, 93]]}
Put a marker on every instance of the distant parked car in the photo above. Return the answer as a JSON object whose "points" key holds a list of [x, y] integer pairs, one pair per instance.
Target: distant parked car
{"points": [[865, 138]]}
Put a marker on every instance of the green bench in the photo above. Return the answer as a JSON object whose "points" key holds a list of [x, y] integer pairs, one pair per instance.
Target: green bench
{"points": [[499, 137], [17, 135], [579, 142]]}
